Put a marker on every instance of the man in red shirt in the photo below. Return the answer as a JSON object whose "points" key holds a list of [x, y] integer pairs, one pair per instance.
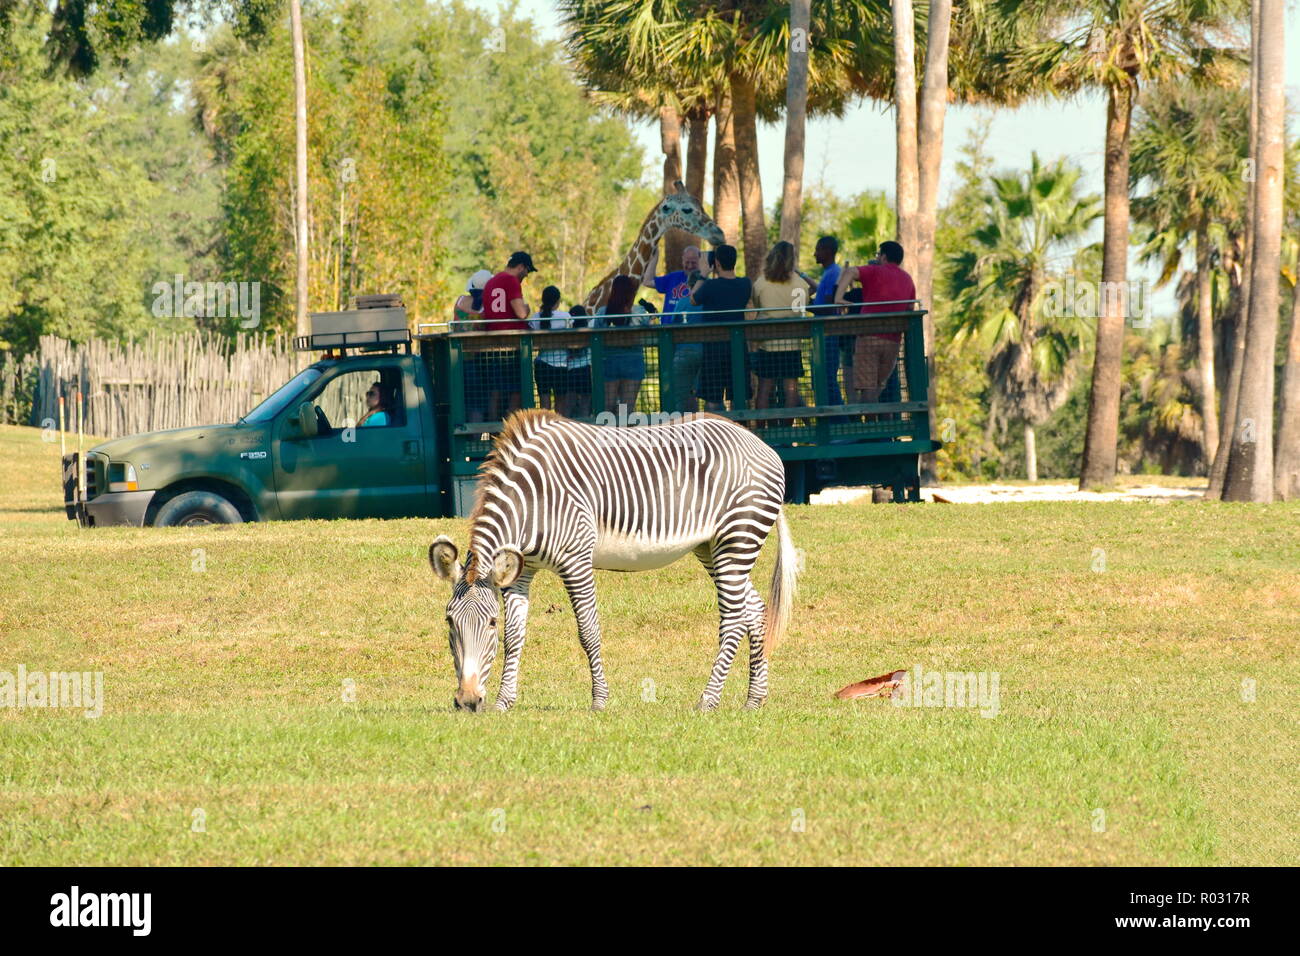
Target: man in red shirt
{"points": [[885, 288], [504, 309], [503, 296]]}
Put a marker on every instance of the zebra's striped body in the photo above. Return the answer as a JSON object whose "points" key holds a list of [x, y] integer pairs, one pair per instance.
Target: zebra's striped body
{"points": [[572, 498]]}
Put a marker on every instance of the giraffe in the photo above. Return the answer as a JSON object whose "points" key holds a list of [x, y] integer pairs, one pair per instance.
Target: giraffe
{"points": [[678, 210]]}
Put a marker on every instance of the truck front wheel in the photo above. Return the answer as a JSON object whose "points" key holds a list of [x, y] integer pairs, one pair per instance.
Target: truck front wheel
{"points": [[196, 508]]}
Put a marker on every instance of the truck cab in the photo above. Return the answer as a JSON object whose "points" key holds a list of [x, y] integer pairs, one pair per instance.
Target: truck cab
{"points": [[309, 450]]}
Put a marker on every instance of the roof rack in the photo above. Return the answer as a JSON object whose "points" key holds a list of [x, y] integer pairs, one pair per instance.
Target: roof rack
{"points": [[373, 322]]}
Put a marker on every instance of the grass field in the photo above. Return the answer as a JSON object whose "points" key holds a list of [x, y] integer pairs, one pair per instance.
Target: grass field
{"points": [[225, 653]]}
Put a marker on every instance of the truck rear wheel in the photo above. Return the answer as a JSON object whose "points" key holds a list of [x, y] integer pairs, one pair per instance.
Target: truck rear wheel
{"points": [[197, 508]]}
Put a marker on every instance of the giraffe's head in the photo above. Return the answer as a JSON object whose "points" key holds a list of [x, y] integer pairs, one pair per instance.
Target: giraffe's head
{"points": [[472, 614], [680, 210]]}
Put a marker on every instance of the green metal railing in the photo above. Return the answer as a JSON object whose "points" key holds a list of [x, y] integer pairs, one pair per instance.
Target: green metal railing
{"points": [[816, 430]]}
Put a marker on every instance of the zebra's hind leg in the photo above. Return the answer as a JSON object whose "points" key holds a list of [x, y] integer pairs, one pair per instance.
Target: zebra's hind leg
{"points": [[516, 599], [731, 578], [755, 623], [580, 583]]}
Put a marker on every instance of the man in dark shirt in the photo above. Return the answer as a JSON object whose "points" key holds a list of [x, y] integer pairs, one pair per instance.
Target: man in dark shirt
{"points": [[724, 298]]}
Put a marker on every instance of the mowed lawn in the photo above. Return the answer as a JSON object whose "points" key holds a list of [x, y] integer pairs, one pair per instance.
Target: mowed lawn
{"points": [[1147, 714]]}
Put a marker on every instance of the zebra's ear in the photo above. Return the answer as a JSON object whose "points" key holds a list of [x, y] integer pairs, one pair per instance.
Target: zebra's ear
{"points": [[442, 558], [506, 567]]}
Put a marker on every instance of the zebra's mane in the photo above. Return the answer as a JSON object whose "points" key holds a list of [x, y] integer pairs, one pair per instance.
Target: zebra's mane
{"points": [[517, 430]]}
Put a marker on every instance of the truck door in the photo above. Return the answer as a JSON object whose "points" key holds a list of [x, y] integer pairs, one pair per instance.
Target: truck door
{"points": [[368, 460]]}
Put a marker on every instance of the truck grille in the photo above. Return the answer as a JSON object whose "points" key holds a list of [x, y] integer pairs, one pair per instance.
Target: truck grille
{"points": [[94, 465]]}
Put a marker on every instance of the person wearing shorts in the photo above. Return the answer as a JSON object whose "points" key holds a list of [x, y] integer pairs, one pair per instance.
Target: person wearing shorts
{"points": [[723, 298], [780, 294], [551, 366], [885, 288], [624, 365]]}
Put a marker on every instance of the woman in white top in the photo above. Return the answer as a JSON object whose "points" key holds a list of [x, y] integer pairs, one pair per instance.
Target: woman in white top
{"points": [[550, 367]]}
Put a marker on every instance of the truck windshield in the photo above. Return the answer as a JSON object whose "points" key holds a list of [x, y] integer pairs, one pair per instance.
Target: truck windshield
{"points": [[282, 396]]}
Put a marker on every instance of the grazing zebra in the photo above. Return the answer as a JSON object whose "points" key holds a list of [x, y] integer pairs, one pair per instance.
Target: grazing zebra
{"points": [[571, 498]]}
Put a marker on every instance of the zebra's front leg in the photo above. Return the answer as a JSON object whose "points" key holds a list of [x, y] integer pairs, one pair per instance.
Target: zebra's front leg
{"points": [[516, 601], [580, 582]]}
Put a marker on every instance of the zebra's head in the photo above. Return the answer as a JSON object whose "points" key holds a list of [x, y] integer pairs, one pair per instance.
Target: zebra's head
{"points": [[472, 613]]}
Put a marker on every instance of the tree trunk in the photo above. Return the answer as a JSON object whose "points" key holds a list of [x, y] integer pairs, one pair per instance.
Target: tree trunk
{"points": [[1031, 452], [796, 121], [1205, 345], [1286, 468], [1101, 441], [726, 182], [670, 140], [754, 226], [697, 153], [1250, 467], [934, 104], [300, 165], [906, 186], [1228, 420]]}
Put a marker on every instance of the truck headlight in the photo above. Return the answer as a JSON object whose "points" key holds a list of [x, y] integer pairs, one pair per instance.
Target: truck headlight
{"points": [[121, 477]]}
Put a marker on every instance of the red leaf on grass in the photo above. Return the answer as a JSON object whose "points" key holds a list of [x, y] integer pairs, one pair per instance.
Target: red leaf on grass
{"points": [[881, 686]]}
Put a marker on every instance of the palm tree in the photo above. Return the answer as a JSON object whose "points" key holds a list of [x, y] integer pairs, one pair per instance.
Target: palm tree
{"points": [[1117, 46], [1003, 295], [1237, 353], [1187, 149], [1286, 466], [1250, 465], [731, 58], [873, 220], [906, 175], [796, 116]]}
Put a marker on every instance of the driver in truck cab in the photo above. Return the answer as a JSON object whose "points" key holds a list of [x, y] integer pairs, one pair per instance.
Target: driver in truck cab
{"points": [[379, 406]]}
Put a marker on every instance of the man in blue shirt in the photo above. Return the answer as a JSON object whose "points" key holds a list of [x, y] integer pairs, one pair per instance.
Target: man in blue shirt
{"points": [[839, 348], [673, 286]]}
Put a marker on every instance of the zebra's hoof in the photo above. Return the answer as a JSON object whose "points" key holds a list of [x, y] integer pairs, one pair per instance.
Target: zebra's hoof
{"points": [[753, 704], [504, 705], [597, 705], [705, 705]]}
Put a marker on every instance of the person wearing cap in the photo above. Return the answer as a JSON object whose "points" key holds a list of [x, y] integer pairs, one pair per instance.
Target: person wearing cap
{"points": [[503, 295], [469, 307], [504, 309]]}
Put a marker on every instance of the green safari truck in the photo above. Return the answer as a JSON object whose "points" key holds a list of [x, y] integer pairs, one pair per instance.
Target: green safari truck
{"points": [[310, 450]]}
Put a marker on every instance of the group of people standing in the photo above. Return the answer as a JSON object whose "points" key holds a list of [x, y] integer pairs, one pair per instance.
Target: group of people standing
{"points": [[705, 289]]}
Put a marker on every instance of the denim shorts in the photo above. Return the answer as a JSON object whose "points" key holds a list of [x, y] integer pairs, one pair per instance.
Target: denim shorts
{"points": [[624, 363]]}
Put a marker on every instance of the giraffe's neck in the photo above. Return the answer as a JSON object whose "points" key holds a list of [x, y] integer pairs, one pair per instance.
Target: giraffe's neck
{"points": [[634, 263], [638, 257]]}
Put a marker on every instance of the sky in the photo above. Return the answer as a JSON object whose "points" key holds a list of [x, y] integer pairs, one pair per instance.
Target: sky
{"points": [[835, 149]]}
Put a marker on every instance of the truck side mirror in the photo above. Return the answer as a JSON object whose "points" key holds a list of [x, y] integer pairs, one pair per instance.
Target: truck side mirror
{"points": [[304, 423]]}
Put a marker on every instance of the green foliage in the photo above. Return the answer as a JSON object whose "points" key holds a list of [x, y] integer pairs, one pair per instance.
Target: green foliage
{"points": [[998, 283], [439, 143], [1160, 425], [102, 195]]}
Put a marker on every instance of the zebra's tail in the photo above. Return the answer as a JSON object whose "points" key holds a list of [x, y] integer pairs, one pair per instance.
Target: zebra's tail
{"points": [[781, 598]]}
